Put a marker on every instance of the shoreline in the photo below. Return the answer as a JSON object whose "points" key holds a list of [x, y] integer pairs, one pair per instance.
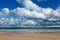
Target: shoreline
{"points": [[44, 36], [30, 31]]}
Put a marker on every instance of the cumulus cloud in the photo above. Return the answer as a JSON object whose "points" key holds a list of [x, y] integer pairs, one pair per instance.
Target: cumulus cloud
{"points": [[11, 21], [29, 22], [5, 10], [30, 10], [27, 13], [28, 4], [38, 12]]}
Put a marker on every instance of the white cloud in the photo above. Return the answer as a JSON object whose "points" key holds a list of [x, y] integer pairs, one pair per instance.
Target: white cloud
{"points": [[53, 19], [36, 11], [29, 22], [11, 21], [21, 12], [47, 11], [30, 10], [27, 13], [5, 10], [28, 4], [2, 21]]}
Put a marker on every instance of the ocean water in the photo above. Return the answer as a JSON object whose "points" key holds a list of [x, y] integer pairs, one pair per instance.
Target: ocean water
{"points": [[23, 31]]}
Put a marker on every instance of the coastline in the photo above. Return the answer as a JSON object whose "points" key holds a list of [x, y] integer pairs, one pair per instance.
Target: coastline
{"points": [[29, 34]]}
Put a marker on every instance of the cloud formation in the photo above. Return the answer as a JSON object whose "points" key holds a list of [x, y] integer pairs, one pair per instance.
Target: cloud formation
{"points": [[22, 15], [37, 11]]}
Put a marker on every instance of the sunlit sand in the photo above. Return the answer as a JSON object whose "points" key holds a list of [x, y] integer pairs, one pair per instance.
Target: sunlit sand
{"points": [[44, 36]]}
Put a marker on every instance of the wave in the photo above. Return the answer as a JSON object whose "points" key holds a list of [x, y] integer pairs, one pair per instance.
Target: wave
{"points": [[28, 31]]}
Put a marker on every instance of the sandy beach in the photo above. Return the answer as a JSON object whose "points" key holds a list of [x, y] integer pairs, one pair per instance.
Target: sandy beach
{"points": [[7, 36]]}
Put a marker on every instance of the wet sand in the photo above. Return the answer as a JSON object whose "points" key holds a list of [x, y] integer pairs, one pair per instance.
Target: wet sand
{"points": [[44, 36]]}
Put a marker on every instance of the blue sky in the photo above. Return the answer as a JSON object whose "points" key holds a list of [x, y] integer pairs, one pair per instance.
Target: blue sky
{"points": [[11, 4], [48, 3], [29, 12]]}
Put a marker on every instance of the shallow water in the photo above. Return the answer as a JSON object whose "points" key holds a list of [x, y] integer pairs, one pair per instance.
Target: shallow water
{"points": [[22, 31]]}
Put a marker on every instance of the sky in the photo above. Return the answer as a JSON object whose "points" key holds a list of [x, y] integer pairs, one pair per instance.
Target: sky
{"points": [[18, 13], [11, 4]]}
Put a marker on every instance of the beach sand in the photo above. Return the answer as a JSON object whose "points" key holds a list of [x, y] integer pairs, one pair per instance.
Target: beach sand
{"points": [[46, 36]]}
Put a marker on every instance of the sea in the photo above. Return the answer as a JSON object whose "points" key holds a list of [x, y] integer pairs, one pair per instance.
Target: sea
{"points": [[29, 31]]}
